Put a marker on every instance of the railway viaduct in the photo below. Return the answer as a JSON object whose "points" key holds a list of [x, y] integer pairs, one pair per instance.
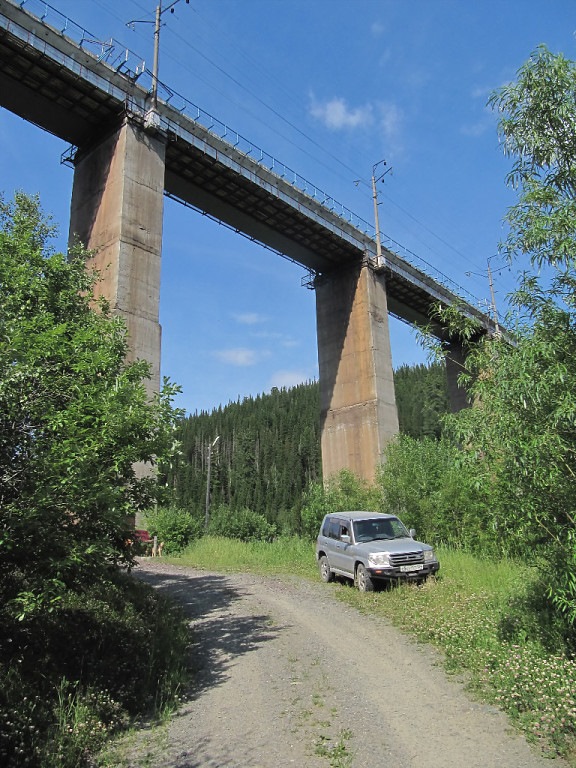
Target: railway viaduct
{"points": [[128, 150]]}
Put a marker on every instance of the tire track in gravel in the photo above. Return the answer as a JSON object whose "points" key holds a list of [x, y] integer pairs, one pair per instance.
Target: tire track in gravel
{"points": [[286, 675]]}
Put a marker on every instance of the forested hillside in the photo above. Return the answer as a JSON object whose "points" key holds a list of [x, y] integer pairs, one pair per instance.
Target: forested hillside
{"points": [[421, 398], [269, 446], [268, 451]]}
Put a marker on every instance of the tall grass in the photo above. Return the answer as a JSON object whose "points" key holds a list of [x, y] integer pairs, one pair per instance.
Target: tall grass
{"points": [[286, 555]]}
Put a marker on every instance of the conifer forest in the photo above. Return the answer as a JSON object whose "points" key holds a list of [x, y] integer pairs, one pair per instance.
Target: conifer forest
{"points": [[268, 447]]}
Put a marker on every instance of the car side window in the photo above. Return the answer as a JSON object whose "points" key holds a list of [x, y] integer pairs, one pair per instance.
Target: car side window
{"points": [[334, 531]]}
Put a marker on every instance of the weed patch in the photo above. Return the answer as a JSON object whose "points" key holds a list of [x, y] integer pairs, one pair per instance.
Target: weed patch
{"points": [[335, 751]]}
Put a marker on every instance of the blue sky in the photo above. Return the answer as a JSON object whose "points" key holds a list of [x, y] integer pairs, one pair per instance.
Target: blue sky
{"points": [[329, 87]]}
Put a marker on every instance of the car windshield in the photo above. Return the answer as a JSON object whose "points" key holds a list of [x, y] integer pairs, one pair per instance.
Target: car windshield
{"points": [[375, 528]]}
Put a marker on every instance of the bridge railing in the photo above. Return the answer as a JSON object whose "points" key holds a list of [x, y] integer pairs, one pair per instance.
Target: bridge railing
{"points": [[235, 139], [224, 132], [132, 66], [112, 52], [417, 261]]}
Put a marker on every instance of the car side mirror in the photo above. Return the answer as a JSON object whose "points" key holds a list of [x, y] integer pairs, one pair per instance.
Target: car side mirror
{"points": [[412, 532], [345, 538]]}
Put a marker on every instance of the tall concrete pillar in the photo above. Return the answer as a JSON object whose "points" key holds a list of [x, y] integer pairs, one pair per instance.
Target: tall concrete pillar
{"points": [[357, 401], [117, 207], [455, 365]]}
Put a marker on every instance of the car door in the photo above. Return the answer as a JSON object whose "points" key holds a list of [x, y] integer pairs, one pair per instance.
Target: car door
{"points": [[341, 559]]}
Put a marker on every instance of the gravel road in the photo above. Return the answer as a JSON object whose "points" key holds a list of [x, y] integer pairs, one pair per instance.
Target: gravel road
{"points": [[288, 676]]}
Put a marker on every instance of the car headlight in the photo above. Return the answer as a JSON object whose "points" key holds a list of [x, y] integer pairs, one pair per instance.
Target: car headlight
{"points": [[379, 559], [429, 556]]}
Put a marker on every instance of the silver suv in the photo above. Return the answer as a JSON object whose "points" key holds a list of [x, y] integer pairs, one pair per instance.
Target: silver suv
{"points": [[371, 548]]}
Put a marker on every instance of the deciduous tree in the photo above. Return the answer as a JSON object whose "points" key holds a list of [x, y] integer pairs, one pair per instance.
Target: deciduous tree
{"points": [[521, 435], [537, 129], [74, 419]]}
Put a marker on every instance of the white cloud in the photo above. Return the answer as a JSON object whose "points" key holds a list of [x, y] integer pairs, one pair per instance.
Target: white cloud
{"points": [[337, 115], [482, 92], [280, 338], [391, 118], [241, 357], [474, 130], [288, 379], [249, 318], [266, 335], [385, 116], [485, 122], [384, 57]]}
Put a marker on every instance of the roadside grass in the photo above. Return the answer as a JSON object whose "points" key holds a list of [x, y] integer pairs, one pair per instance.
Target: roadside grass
{"points": [[285, 555], [490, 619], [491, 623]]}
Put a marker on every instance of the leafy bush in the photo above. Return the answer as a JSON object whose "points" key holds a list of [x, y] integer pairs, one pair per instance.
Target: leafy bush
{"points": [[425, 483], [72, 676], [75, 418], [176, 528], [345, 491], [243, 524]]}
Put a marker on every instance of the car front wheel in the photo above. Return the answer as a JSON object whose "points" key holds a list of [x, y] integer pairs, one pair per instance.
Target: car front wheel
{"points": [[363, 580], [325, 573]]}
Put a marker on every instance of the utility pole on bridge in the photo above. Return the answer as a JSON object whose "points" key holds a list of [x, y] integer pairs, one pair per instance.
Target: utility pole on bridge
{"points": [[155, 66], [380, 261], [497, 331]]}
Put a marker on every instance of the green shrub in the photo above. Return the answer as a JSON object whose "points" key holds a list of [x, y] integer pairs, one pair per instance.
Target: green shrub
{"points": [[176, 528], [425, 483], [243, 524], [344, 491], [72, 676]]}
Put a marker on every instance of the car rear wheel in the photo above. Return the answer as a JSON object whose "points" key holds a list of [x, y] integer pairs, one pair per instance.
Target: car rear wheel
{"points": [[363, 580], [325, 573]]}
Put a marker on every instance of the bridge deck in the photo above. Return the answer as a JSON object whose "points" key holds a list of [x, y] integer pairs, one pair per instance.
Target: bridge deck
{"points": [[49, 79]]}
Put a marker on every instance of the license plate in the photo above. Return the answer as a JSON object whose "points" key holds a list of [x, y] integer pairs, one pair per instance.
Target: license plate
{"points": [[411, 568]]}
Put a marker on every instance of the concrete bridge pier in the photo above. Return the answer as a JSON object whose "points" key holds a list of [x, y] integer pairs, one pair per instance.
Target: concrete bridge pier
{"points": [[117, 207], [357, 401]]}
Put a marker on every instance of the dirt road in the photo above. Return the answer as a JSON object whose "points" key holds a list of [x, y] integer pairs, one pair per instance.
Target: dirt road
{"points": [[288, 676]]}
